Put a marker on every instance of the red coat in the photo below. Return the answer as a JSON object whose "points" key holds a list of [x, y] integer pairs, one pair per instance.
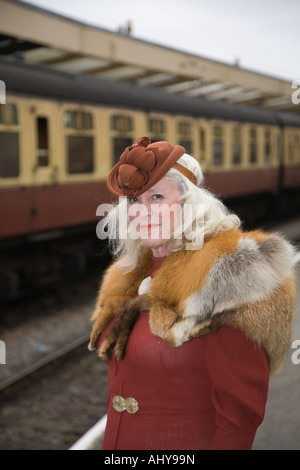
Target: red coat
{"points": [[209, 393]]}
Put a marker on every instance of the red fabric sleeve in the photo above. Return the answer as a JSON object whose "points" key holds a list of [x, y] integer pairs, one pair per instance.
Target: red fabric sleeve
{"points": [[239, 372]]}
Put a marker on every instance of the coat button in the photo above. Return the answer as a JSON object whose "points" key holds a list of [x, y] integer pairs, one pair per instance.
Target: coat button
{"points": [[129, 404]]}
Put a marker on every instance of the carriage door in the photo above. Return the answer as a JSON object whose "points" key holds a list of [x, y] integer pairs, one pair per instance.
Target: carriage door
{"points": [[44, 167]]}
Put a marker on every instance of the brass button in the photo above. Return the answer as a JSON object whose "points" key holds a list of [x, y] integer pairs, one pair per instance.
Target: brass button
{"points": [[129, 404]]}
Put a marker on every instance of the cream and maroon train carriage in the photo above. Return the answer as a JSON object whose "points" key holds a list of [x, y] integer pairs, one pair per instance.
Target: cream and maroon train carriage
{"points": [[61, 133]]}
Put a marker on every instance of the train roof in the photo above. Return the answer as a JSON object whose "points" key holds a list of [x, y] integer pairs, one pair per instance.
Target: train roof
{"points": [[40, 81]]}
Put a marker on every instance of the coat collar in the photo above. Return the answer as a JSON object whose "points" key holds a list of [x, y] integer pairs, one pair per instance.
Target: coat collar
{"points": [[244, 280]]}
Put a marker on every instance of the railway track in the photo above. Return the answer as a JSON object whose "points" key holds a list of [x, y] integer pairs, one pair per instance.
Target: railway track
{"points": [[54, 403], [51, 402], [26, 373], [52, 389]]}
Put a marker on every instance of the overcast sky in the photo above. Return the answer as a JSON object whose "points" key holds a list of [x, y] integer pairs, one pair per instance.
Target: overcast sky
{"points": [[264, 35]]}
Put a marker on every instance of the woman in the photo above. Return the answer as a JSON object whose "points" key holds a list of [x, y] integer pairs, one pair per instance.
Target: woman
{"points": [[191, 371]]}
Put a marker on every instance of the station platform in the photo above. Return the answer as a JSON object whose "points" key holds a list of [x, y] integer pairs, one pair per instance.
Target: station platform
{"points": [[280, 429]]}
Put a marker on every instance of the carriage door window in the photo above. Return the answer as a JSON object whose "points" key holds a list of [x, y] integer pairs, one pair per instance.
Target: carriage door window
{"points": [[267, 146], [218, 152], [202, 144], [42, 142], [9, 141], [253, 146], [236, 146]]}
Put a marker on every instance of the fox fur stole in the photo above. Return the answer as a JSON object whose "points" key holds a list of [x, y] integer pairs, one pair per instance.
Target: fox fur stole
{"points": [[240, 279]]}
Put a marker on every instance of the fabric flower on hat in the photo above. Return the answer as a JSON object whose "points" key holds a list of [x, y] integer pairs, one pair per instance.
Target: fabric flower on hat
{"points": [[141, 166]]}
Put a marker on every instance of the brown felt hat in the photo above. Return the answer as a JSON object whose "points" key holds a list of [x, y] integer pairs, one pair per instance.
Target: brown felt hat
{"points": [[142, 165]]}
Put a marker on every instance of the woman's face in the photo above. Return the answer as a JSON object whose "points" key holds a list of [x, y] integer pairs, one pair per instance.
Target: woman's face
{"points": [[156, 213]]}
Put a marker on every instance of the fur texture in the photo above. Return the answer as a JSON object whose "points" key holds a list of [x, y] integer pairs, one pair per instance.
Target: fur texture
{"points": [[243, 280]]}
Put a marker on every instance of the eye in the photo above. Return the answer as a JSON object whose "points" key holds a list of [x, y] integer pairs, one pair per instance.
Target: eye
{"points": [[132, 200], [158, 197]]}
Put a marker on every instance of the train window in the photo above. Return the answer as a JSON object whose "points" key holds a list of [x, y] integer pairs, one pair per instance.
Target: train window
{"points": [[78, 120], [9, 142], [218, 148], [187, 144], [156, 126], [119, 144], [184, 128], [9, 114], [253, 146], [202, 143], [267, 147], [70, 119], [9, 154], [42, 142], [236, 146], [87, 121], [80, 154], [184, 131], [121, 123]]}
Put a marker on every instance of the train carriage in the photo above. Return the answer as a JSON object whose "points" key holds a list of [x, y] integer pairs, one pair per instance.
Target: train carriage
{"points": [[61, 133]]}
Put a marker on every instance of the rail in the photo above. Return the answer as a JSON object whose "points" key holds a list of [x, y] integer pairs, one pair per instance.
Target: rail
{"points": [[45, 361]]}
